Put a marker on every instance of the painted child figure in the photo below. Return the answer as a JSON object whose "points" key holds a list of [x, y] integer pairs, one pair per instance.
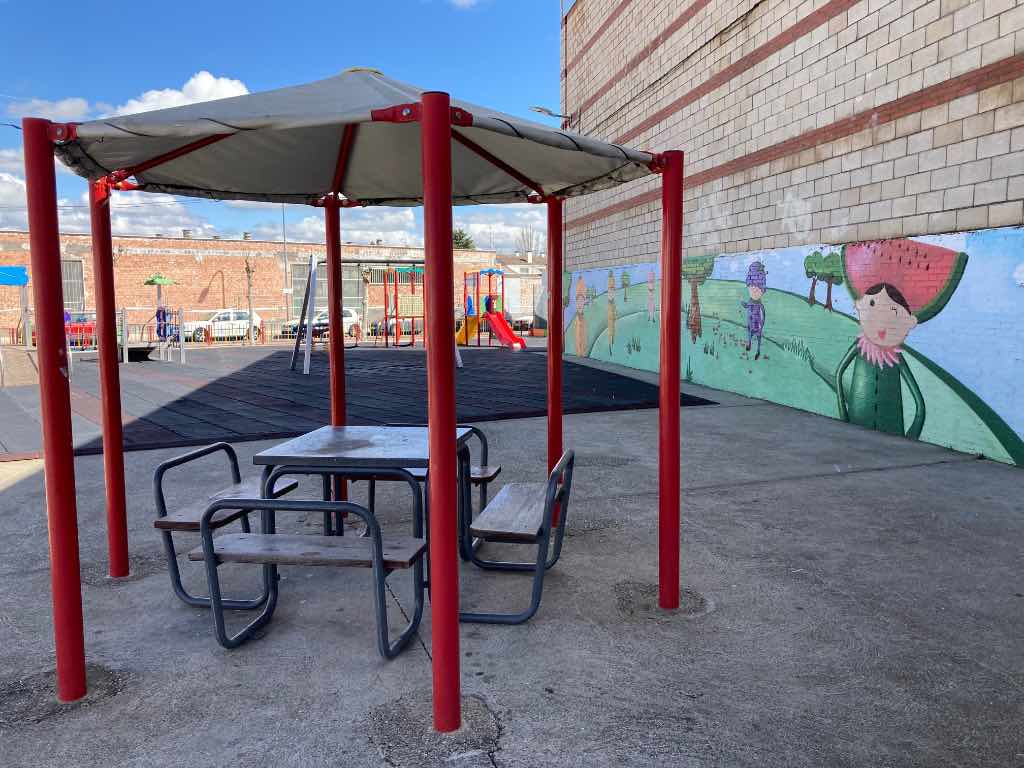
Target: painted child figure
{"points": [[581, 319], [756, 284], [651, 279], [895, 285], [875, 396], [610, 307]]}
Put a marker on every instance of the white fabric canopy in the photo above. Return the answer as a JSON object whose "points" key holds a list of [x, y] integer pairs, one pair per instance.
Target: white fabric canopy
{"points": [[283, 146]]}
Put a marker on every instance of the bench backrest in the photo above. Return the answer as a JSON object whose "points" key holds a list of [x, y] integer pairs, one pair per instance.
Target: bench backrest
{"points": [[559, 487]]}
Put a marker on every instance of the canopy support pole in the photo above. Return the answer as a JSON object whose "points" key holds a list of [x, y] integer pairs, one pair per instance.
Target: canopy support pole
{"points": [[55, 407], [671, 166], [336, 341], [554, 331], [119, 176], [336, 294], [336, 337], [110, 382], [436, 137], [497, 162]]}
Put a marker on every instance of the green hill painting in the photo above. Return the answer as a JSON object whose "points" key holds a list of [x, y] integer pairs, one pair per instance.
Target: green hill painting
{"points": [[849, 355]]}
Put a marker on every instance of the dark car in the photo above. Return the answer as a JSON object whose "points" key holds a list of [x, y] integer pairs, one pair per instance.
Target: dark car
{"points": [[319, 326]]}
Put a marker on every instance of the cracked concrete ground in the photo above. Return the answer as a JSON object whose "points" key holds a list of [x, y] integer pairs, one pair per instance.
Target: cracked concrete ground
{"points": [[856, 600]]}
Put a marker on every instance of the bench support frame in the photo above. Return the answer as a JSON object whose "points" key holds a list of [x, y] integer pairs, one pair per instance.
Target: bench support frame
{"points": [[173, 569], [556, 497]]}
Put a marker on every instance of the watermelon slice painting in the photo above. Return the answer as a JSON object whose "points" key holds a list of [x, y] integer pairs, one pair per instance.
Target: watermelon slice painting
{"points": [[926, 275], [895, 285]]}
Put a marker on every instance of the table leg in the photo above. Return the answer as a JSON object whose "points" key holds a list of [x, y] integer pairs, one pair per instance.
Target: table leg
{"points": [[328, 527], [465, 502]]}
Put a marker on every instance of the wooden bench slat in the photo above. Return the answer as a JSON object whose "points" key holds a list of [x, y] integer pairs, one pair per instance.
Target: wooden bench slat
{"points": [[485, 473], [514, 515], [304, 549], [187, 518], [477, 474]]}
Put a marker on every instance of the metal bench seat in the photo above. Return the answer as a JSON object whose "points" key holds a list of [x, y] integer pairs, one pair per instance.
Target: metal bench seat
{"points": [[285, 549], [524, 513], [483, 474], [187, 518], [514, 516], [270, 549]]}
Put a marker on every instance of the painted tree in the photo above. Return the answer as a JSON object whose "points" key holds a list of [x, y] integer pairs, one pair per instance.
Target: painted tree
{"points": [[812, 268], [624, 282], [696, 269], [463, 240], [832, 273]]}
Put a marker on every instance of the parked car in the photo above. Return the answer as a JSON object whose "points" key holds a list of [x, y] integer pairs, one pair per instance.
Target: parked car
{"points": [[224, 324], [349, 318]]}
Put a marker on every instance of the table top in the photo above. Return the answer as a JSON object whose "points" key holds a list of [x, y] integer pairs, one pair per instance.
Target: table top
{"points": [[372, 446]]}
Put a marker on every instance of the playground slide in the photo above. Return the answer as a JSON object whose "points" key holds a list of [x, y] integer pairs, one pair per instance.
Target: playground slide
{"points": [[467, 331], [505, 334]]}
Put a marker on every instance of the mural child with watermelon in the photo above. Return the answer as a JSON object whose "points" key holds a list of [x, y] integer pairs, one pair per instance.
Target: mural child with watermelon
{"points": [[895, 285]]}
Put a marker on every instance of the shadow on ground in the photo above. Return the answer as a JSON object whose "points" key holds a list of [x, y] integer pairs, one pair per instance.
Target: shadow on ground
{"points": [[238, 393]]}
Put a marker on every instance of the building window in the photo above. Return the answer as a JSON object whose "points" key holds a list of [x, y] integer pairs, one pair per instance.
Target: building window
{"points": [[73, 280], [351, 286], [377, 276]]}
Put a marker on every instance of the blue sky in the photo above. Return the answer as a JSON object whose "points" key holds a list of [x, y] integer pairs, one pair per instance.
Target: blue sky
{"points": [[78, 60]]}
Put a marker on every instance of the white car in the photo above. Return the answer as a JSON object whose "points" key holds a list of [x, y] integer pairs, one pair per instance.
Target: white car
{"points": [[225, 324]]}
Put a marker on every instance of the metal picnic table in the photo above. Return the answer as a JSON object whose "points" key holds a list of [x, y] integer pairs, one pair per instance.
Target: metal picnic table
{"points": [[366, 453]]}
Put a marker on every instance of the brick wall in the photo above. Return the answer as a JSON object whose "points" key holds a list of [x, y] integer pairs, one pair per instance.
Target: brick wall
{"points": [[802, 122], [832, 147], [210, 274]]}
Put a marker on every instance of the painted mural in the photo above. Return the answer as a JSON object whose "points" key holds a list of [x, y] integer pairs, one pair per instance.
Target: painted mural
{"points": [[920, 337]]}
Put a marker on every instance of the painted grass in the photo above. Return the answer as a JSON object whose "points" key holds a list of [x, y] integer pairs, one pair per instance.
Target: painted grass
{"points": [[801, 349]]}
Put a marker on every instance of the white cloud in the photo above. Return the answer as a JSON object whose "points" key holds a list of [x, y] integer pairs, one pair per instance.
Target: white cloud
{"points": [[464, 3], [131, 213], [202, 86], [1018, 274], [12, 198], [62, 110], [13, 161], [499, 225], [392, 226]]}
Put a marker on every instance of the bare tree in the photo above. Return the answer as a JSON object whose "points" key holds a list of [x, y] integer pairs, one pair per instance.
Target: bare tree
{"points": [[528, 239], [249, 272]]}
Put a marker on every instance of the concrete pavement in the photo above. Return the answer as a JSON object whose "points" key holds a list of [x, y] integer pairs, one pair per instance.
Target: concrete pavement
{"points": [[857, 600]]}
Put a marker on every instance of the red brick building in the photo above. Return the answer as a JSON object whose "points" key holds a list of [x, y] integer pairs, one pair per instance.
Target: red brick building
{"points": [[211, 274]]}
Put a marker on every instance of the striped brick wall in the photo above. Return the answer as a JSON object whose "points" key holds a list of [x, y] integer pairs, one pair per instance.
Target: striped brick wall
{"points": [[822, 121]]}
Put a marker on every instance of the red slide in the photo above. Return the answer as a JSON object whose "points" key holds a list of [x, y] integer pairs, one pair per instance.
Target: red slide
{"points": [[496, 322]]}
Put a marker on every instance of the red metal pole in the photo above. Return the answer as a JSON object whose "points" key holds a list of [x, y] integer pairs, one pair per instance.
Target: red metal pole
{"points": [[668, 404], [398, 315], [336, 344], [436, 138], [110, 380], [335, 327], [55, 402], [412, 292], [554, 332], [479, 309], [385, 308]]}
